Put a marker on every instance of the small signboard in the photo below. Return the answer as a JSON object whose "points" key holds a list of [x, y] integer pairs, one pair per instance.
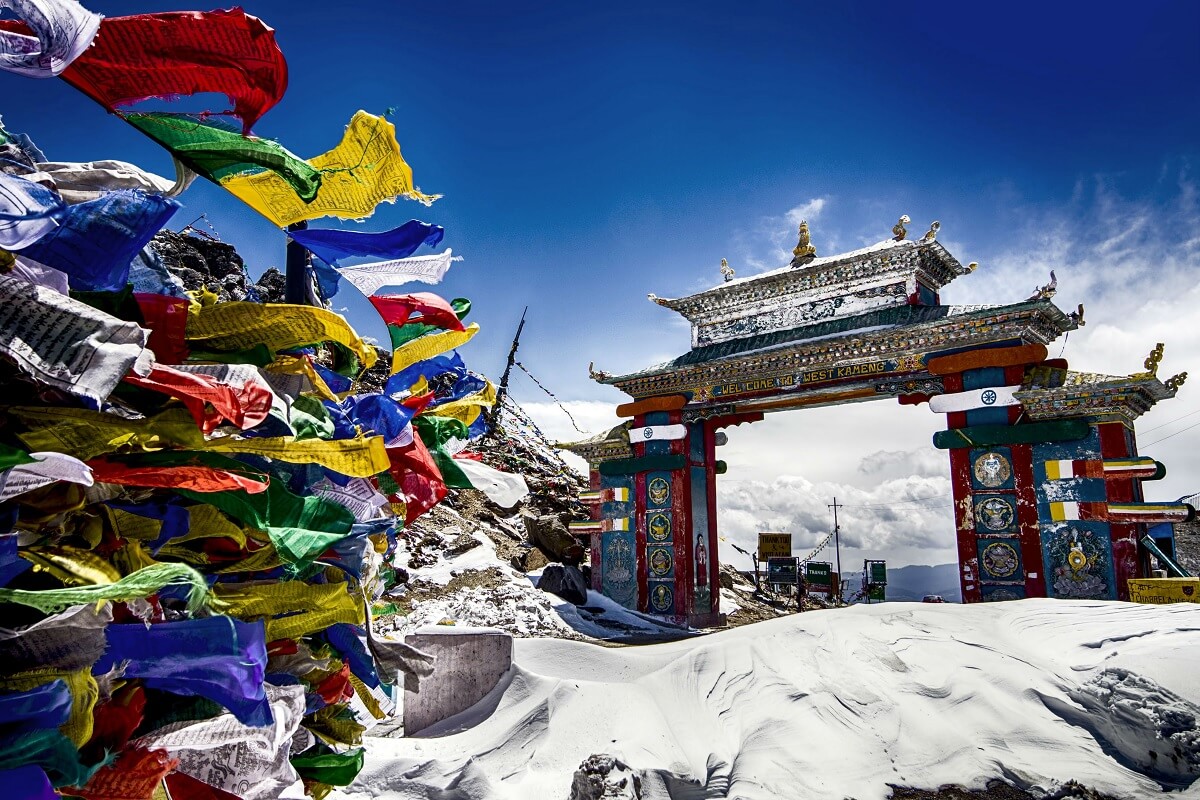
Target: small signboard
{"points": [[782, 570], [876, 592], [774, 545], [819, 576], [876, 573], [1164, 590]]}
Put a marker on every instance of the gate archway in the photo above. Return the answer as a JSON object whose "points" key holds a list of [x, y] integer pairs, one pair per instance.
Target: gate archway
{"points": [[1045, 472]]}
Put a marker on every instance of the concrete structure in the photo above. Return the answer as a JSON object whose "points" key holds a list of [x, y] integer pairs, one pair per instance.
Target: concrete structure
{"points": [[470, 663]]}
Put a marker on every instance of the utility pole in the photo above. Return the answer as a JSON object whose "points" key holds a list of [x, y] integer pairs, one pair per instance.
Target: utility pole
{"points": [[297, 268], [503, 390], [837, 548]]}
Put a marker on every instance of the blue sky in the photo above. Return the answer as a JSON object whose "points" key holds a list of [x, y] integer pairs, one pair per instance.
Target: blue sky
{"points": [[590, 154]]}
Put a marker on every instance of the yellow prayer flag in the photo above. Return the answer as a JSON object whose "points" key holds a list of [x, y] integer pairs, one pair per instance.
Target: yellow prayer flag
{"points": [[365, 169], [296, 365], [360, 457], [280, 326], [468, 409], [86, 434], [430, 345]]}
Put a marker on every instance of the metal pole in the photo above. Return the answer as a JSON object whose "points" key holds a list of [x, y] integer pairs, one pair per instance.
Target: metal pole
{"points": [[837, 549], [297, 266], [503, 390]]}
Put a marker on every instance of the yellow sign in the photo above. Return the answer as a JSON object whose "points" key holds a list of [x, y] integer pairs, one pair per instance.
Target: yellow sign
{"points": [[1164, 590], [774, 545]]}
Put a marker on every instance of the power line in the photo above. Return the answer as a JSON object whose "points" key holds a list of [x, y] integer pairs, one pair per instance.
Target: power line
{"points": [[1176, 433], [1171, 422]]}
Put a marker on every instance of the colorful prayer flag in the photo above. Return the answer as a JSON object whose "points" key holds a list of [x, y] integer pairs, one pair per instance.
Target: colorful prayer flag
{"points": [[398, 243], [365, 169], [46, 36], [177, 53]]}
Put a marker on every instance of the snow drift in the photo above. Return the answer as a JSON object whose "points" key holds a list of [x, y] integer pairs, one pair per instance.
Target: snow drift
{"points": [[836, 704]]}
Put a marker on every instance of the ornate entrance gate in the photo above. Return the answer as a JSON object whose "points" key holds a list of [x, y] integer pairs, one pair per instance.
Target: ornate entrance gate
{"points": [[1044, 465]]}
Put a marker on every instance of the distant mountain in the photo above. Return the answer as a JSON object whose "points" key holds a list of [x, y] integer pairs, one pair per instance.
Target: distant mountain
{"points": [[907, 584]]}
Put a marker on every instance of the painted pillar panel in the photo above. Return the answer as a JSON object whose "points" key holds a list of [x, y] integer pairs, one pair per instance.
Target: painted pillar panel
{"points": [[710, 461], [1077, 556], [596, 558], [1030, 521], [616, 577], [1116, 441], [964, 521], [640, 522]]}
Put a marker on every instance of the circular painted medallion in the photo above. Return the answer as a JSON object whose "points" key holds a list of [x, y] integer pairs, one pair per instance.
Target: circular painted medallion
{"points": [[660, 561], [1000, 559], [992, 470], [995, 514], [662, 598], [660, 527], [988, 397], [659, 491]]}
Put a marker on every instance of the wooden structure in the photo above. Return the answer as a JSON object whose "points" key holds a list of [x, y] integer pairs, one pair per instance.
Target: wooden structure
{"points": [[1045, 471]]}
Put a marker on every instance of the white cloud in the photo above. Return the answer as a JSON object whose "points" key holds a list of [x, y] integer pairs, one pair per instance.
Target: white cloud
{"points": [[769, 242], [807, 211]]}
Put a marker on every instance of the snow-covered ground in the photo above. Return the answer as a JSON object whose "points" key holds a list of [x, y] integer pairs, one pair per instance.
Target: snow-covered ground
{"points": [[837, 704]]}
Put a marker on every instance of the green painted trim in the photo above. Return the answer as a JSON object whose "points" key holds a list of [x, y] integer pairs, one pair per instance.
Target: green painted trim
{"points": [[628, 466], [1063, 430], [1159, 473], [720, 468]]}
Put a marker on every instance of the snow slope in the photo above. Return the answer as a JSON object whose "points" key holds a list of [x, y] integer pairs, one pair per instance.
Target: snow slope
{"points": [[837, 704]]}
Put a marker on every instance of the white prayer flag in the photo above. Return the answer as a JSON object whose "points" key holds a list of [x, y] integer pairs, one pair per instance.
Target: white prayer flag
{"points": [[62, 29], [370, 278]]}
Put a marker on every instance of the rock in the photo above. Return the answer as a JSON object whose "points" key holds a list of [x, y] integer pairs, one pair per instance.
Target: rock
{"points": [[463, 543], [565, 581], [530, 560], [550, 533], [603, 777], [725, 577]]}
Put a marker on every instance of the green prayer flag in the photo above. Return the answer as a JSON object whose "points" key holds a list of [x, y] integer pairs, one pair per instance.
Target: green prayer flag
{"points": [[335, 769], [218, 152], [12, 456]]}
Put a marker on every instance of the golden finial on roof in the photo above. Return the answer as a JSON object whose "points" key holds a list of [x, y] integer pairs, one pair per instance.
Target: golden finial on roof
{"points": [[653, 298], [804, 250], [931, 234], [974, 265], [898, 230], [596, 374], [1152, 360], [1175, 381], [726, 271], [1077, 316], [1047, 291]]}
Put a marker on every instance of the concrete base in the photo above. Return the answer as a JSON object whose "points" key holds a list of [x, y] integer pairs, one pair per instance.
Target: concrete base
{"points": [[470, 662]]}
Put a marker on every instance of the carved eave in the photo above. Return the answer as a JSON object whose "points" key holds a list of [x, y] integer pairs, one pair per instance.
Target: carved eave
{"points": [[1103, 397], [895, 333], [607, 446], [933, 265]]}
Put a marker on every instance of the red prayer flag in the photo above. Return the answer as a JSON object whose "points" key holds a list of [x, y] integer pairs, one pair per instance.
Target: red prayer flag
{"points": [[135, 773], [208, 399], [194, 478], [166, 318], [397, 309], [175, 53], [418, 477]]}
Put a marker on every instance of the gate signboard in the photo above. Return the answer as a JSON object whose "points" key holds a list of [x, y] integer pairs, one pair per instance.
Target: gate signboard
{"points": [[876, 573], [782, 571], [774, 545], [819, 576]]}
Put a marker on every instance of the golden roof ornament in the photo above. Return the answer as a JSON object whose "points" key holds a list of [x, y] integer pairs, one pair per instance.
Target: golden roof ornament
{"points": [[931, 234], [974, 265], [898, 230], [1151, 362], [596, 374], [1077, 316], [653, 298], [804, 251], [726, 271], [1047, 291], [1175, 381]]}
